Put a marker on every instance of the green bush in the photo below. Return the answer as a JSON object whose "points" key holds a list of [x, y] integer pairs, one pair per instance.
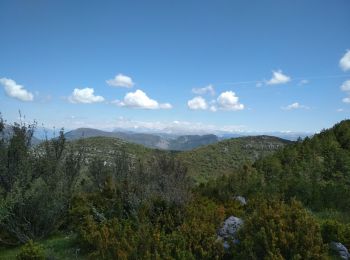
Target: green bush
{"points": [[276, 230], [333, 230], [31, 251]]}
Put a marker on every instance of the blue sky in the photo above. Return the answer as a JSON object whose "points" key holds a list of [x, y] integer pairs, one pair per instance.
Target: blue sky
{"points": [[273, 65]]}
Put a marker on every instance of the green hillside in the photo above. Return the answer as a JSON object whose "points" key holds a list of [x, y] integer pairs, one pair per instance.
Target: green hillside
{"points": [[156, 141], [104, 198], [227, 156], [108, 147]]}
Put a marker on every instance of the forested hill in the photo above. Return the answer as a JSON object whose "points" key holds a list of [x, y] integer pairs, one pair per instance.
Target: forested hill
{"points": [[315, 170], [156, 141], [225, 157]]}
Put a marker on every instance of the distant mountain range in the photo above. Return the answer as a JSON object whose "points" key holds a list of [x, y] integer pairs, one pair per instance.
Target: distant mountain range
{"points": [[158, 141], [8, 132], [164, 141]]}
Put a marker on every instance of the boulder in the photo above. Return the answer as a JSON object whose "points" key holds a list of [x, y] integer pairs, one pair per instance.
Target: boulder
{"points": [[227, 232], [341, 250], [241, 200]]}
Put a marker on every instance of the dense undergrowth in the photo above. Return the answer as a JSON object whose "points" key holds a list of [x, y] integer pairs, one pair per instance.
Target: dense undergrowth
{"points": [[132, 208]]}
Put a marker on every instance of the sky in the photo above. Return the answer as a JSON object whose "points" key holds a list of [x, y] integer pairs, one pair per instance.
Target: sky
{"points": [[244, 65]]}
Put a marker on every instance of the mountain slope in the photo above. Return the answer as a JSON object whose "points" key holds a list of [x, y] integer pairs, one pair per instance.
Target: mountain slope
{"points": [[189, 142], [108, 147], [224, 157], [316, 170], [180, 143]]}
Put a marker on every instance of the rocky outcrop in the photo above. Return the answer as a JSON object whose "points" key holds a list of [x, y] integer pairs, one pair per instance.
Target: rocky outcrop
{"points": [[340, 249], [227, 233]]}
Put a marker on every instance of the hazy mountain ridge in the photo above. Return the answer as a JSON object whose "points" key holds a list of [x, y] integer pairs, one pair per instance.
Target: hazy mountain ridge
{"points": [[157, 141]]}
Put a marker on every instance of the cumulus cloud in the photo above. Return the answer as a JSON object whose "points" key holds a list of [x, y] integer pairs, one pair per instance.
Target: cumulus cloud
{"points": [[139, 99], [202, 91], [15, 90], [278, 78], [84, 95], [121, 80], [345, 86], [229, 101], [344, 62], [295, 105], [197, 103], [226, 101]]}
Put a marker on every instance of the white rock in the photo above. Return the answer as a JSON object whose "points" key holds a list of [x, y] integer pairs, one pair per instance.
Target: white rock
{"points": [[241, 200], [341, 249], [227, 232]]}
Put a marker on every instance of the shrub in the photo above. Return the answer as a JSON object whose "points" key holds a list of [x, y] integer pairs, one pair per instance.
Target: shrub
{"points": [[333, 230], [31, 251], [276, 230]]}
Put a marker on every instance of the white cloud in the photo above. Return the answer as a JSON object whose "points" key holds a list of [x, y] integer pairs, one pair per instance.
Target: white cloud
{"points": [[213, 108], [278, 78], [84, 95], [346, 100], [340, 110], [345, 86], [197, 103], [121, 80], [225, 101], [165, 106], [15, 90], [303, 82], [174, 127], [295, 105], [202, 91], [229, 101], [344, 62], [139, 99]]}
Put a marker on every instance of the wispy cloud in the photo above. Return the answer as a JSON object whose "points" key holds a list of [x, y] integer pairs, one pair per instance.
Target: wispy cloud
{"points": [[294, 106], [303, 82], [205, 90]]}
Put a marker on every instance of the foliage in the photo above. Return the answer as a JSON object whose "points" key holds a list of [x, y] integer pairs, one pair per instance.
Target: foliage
{"points": [[124, 201], [35, 185], [275, 230], [316, 171], [226, 157], [334, 231], [31, 251]]}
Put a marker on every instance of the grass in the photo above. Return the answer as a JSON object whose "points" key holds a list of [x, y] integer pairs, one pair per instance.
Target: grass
{"points": [[60, 246]]}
